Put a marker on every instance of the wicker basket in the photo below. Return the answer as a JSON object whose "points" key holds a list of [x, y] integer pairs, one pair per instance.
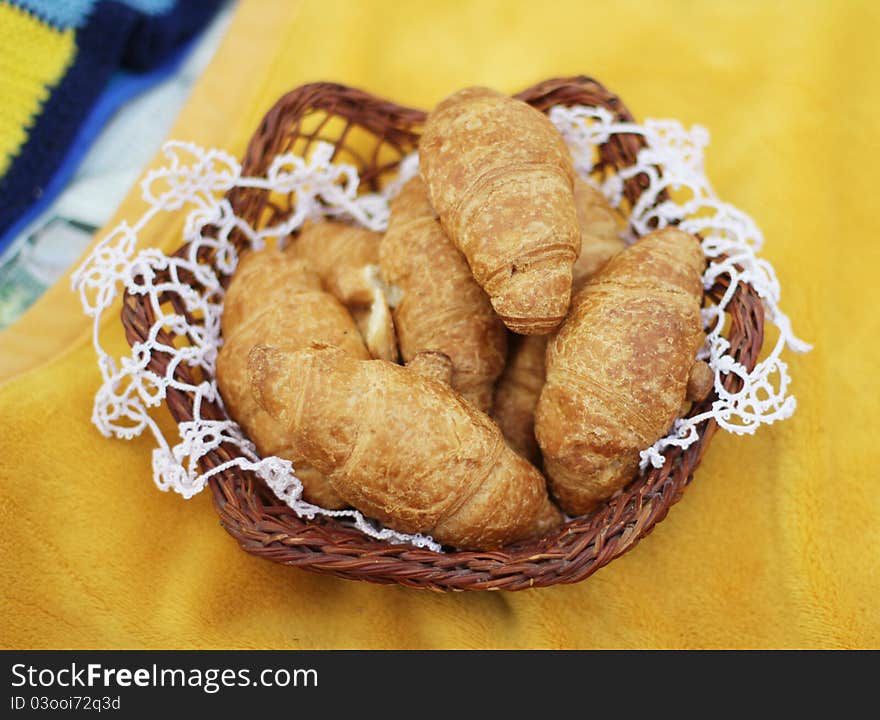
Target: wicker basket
{"points": [[265, 527]]}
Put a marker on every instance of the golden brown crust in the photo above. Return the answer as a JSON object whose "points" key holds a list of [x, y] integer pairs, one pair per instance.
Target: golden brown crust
{"points": [[518, 388], [402, 448], [346, 257], [500, 177], [516, 395], [701, 380], [262, 281], [600, 229], [331, 248], [276, 299], [438, 304], [618, 368], [434, 365]]}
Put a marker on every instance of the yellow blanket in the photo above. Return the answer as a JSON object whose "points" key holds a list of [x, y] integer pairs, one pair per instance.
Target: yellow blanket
{"points": [[776, 543]]}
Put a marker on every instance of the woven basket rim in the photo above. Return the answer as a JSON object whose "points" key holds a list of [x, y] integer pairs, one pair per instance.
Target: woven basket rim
{"points": [[265, 527]]}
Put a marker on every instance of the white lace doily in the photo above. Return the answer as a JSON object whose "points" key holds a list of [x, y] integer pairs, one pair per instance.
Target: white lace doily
{"points": [[195, 180]]}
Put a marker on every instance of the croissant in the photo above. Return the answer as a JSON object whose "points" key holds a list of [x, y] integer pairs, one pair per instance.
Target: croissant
{"points": [[600, 232], [276, 299], [346, 258], [517, 392], [518, 388], [402, 448], [500, 177], [434, 365], [618, 369], [439, 306]]}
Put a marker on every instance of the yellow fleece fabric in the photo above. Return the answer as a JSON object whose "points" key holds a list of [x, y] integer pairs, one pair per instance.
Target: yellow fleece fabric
{"points": [[775, 544]]}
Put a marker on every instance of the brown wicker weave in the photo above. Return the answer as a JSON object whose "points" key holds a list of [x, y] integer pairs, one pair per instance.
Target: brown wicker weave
{"points": [[265, 527]]}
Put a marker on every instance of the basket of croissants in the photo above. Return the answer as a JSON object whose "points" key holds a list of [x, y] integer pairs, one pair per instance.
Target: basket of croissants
{"points": [[484, 372]]}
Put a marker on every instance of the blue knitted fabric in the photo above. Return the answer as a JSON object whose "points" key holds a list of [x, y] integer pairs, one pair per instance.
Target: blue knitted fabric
{"points": [[111, 35], [63, 14]]}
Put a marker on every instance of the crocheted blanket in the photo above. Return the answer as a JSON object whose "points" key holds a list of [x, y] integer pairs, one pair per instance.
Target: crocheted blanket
{"points": [[58, 58]]}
